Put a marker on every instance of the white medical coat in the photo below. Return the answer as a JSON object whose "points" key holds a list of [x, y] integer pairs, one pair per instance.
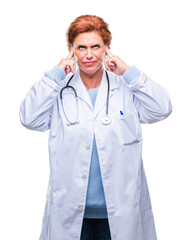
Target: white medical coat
{"points": [[119, 146]]}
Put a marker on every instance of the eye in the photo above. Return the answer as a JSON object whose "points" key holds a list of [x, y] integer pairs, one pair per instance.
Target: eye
{"points": [[96, 46], [81, 48]]}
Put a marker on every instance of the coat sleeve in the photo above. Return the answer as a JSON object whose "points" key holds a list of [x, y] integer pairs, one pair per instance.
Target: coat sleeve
{"points": [[150, 99], [36, 109]]}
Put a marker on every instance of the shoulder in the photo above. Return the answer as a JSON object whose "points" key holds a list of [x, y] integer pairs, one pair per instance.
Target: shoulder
{"points": [[117, 81]]}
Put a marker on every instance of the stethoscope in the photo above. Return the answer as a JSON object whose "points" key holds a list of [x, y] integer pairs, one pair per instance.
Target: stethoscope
{"points": [[104, 119]]}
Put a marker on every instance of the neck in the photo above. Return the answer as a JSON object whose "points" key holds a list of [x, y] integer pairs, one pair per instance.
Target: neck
{"points": [[92, 80]]}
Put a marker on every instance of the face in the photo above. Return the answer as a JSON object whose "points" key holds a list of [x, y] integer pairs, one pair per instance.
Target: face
{"points": [[89, 50]]}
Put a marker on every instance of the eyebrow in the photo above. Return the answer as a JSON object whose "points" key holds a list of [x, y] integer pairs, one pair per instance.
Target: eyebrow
{"points": [[82, 45]]}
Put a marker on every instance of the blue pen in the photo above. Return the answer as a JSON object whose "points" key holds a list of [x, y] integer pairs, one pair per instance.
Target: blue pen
{"points": [[121, 112]]}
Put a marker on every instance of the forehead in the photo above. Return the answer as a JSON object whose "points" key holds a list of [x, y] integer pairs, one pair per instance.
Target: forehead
{"points": [[88, 39]]}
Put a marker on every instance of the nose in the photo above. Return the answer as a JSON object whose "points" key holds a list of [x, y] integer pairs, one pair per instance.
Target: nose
{"points": [[89, 54]]}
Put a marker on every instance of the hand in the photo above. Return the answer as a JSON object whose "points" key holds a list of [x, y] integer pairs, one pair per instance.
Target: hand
{"points": [[114, 64], [68, 64]]}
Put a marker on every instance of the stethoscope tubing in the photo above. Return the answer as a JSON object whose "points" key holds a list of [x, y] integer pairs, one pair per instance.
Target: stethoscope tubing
{"points": [[105, 120], [67, 86]]}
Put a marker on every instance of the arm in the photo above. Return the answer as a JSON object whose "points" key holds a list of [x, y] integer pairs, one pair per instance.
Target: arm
{"points": [[151, 100], [36, 108]]}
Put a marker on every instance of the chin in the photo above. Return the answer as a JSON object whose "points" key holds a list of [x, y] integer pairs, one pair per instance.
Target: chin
{"points": [[90, 71]]}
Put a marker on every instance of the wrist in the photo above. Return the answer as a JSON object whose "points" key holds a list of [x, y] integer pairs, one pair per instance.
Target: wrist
{"points": [[131, 75], [56, 74], [126, 68]]}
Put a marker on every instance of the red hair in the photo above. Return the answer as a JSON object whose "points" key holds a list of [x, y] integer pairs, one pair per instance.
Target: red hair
{"points": [[88, 23]]}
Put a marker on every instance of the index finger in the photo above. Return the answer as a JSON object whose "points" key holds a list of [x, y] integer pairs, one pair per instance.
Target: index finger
{"points": [[70, 55], [109, 53]]}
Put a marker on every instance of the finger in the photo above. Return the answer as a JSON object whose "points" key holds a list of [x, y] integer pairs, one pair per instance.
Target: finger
{"points": [[71, 53], [111, 62], [106, 66], [70, 67], [73, 68], [67, 68], [109, 53], [109, 66]]}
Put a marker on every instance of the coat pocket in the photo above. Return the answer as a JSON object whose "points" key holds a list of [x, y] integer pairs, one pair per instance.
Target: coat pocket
{"points": [[130, 129]]}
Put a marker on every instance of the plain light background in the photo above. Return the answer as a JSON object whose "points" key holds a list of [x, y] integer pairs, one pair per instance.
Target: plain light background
{"points": [[153, 35]]}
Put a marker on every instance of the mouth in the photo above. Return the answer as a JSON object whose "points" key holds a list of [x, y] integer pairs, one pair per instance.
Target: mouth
{"points": [[89, 64]]}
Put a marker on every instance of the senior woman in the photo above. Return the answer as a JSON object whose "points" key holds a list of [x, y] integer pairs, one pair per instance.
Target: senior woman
{"points": [[97, 188]]}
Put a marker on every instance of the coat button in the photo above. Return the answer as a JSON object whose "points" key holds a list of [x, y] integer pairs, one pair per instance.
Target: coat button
{"points": [[103, 149], [80, 208], [84, 176], [88, 147]]}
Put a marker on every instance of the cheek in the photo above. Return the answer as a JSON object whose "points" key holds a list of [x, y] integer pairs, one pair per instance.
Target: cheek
{"points": [[101, 56], [78, 57]]}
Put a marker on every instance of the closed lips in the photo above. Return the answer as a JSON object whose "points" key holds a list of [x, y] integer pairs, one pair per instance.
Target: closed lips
{"points": [[90, 62]]}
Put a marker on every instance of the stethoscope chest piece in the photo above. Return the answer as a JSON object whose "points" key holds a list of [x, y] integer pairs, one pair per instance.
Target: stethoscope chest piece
{"points": [[106, 120]]}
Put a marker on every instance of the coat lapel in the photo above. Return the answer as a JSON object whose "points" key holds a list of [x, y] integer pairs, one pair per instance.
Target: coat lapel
{"points": [[103, 89]]}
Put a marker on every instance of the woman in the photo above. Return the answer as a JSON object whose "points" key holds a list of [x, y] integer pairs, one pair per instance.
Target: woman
{"points": [[97, 189]]}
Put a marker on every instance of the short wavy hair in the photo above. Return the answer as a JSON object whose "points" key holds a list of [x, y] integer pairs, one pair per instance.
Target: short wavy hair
{"points": [[88, 23]]}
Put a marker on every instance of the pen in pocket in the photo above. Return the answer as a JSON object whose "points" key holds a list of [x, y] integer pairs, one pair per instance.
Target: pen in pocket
{"points": [[121, 113]]}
